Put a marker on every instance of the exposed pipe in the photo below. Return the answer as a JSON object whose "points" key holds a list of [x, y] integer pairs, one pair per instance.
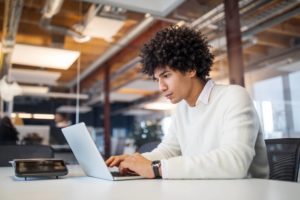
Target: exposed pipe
{"points": [[214, 15], [114, 49], [274, 18], [52, 7], [272, 59], [12, 13]]}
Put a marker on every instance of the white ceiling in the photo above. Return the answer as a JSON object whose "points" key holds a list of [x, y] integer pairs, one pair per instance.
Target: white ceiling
{"points": [[155, 7]]}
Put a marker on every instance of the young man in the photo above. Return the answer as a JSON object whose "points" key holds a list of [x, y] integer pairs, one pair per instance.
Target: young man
{"points": [[215, 131]]}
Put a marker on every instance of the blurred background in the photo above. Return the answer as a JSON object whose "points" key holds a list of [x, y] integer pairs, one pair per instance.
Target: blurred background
{"points": [[67, 61]]}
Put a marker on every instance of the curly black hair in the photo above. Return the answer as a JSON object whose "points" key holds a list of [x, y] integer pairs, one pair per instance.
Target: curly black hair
{"points": [[180, 48]]}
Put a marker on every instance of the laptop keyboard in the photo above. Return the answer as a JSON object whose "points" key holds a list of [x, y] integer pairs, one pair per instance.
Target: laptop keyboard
{"points": [[118, 174]]}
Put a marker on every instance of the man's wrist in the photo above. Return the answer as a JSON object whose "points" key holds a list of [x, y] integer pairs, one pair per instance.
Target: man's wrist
{"points": [[156, 167]]}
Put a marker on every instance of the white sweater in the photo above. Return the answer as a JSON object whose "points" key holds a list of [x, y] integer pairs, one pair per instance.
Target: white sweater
{"points": [[219, 138]]}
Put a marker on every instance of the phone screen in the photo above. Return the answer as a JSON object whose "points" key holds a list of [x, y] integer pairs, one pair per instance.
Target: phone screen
{"points": [[40, 166]]}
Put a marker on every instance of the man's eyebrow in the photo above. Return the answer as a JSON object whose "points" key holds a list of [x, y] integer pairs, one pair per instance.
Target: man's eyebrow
{"points": [[161, 74]]}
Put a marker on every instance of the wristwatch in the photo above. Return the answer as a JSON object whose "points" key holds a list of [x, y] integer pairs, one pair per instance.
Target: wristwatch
{"points": [[155, 166]]}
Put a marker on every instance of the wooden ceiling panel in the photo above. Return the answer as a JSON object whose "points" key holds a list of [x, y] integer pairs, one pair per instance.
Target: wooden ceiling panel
{"points": [[272, 40], [290, 28], [32, 39], [256, 50], [94, 46]]}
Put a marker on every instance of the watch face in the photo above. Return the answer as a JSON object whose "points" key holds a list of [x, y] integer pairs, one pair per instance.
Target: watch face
{"points": [[40, 166], [156, 163]]}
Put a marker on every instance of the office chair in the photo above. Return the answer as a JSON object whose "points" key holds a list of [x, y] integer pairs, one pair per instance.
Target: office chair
{"points": [[284, 158], [147, 147], [10, 152]]}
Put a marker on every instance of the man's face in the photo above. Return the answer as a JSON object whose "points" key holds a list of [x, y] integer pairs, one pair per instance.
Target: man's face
{"points": [[174, 84]]}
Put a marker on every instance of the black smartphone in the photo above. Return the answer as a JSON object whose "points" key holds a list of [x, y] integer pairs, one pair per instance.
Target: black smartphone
{"points": [[39, 167]]}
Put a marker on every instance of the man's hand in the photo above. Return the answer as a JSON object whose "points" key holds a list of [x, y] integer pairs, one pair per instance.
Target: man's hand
{"points": [[136, 163], [114, 161]]}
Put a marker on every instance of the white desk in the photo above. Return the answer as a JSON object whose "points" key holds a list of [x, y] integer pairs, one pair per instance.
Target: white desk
{"points": [[76, 186]]}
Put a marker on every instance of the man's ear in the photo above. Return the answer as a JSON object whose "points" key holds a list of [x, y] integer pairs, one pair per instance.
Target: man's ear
{"points": [[192, 73]]}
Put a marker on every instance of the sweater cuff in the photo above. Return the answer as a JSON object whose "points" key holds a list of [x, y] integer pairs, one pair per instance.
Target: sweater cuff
{"points": [[164, 168]]}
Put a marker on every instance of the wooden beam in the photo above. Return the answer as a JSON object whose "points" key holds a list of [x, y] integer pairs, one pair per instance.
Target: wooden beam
{"points": [[286, 28], [32, 39], [256, 50], [272, 40], [297, 17]]}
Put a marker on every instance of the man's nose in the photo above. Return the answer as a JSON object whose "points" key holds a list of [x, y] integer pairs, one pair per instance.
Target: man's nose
{"points": [[162, 86]]}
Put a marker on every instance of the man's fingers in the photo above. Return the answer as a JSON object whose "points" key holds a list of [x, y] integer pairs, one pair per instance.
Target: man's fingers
{"points": [[109, 160], [115, 162], [122, 168]]}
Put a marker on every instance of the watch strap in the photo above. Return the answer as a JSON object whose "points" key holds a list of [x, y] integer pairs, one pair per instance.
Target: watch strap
{"points": [[155, 167]]}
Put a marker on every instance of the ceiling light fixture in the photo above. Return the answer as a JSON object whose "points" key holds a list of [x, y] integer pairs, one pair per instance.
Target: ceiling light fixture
{"points": [[103, 28], [43, 116], [44, 56], [35, 76], [155, 7], [32, 116], [72, 109], [34, 89], [9, 90], [24, 115], [119, 97]]}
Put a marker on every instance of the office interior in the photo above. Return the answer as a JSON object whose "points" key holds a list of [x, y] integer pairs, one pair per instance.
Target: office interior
{"points": [[81, 58]]}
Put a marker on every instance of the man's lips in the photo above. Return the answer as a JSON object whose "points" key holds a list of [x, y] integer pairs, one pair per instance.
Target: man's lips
{"points": [[168, 96]]}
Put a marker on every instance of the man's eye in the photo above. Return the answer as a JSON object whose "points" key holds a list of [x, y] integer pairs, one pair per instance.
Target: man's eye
{"points": [[166, 75]]}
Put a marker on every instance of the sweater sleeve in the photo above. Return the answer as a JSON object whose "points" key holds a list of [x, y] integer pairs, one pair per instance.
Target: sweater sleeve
{"points": [[169, 147], [236, 150]]}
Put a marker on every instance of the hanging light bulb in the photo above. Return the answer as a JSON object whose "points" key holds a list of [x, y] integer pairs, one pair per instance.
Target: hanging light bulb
{"points": [[8, 91]]}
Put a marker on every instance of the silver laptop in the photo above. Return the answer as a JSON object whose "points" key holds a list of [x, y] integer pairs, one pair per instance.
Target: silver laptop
{"points": [[87, 154]]}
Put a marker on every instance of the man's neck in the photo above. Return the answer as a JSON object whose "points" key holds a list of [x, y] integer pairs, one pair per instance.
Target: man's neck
{"points": [[195, 92]]}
